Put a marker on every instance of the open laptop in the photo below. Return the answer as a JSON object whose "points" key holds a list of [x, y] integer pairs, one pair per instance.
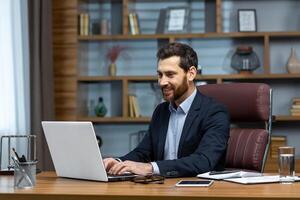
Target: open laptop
{"points": [[75, 152]]}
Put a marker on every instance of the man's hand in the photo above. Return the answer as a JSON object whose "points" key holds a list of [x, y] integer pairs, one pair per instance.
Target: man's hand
{"points": [[131, 166], [109, 163]]}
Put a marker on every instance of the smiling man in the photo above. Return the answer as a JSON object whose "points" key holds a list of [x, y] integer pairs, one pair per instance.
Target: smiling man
{"points": [[188, 133]]}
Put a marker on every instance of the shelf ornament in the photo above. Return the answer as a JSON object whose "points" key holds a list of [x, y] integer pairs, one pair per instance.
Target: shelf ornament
{"points": [[100, 108], [112, 55], [245, 60], [293, 64]]}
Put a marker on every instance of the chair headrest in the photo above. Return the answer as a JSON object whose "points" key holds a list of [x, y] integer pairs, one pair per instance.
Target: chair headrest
{"points": [[245, 101]]}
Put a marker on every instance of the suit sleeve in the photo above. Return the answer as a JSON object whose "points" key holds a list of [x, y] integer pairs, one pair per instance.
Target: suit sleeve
{"points": [[210, 150], [144, 151]]}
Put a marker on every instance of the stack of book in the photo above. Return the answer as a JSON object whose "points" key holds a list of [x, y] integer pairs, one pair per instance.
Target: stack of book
{"points": [[133, 106], [295, 109], [276, 142], [83, 23], [134, 24]]}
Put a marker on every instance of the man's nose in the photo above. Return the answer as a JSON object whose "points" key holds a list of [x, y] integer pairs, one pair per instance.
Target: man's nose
{"points": [[162, 81]]}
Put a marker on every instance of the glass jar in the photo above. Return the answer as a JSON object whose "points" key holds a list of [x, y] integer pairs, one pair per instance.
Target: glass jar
{"points": [[244, 60]]}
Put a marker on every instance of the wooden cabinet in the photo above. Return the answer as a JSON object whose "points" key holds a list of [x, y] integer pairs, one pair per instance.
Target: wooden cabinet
{"points": [[80, 66]]}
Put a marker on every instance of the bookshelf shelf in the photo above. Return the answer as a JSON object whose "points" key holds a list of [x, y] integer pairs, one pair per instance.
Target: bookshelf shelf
{"points": [[199, 77], [113, 120], [108, 120], [287, 118], [188, 35]]}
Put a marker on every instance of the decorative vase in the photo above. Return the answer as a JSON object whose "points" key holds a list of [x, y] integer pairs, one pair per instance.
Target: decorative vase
{"points": [[293, 64], [244, 60], [112, 69], [100, 108]]}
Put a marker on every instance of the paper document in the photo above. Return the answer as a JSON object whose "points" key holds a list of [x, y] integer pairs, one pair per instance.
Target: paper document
{"points": [[227, 175], [257, 180], [253, 180]]}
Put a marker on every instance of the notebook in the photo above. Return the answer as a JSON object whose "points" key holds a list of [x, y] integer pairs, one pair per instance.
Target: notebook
{"points": [[258, 180], [229, 174], [75, 152]]}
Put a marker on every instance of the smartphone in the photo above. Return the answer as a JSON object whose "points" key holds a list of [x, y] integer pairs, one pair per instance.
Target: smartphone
{"points": [[194, 183]]}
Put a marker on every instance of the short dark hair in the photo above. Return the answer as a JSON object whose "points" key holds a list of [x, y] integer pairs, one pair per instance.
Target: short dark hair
{"points": [[188, 57]]}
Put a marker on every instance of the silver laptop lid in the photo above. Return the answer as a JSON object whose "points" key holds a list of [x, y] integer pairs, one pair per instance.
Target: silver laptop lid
{"points": [[74, 150]]}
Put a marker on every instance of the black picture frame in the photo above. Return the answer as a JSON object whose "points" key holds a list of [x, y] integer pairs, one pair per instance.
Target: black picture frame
{"points": [[247, 20], [177, 20]]}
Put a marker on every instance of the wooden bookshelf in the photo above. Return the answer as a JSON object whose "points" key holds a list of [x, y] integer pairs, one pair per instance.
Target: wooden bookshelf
{"points": [[68, 80], [66, 42]]}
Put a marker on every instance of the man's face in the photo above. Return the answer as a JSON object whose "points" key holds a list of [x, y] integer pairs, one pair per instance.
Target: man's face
{"points": [[172, 79]]}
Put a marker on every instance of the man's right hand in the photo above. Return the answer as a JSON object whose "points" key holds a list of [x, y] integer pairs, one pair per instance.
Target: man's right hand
{"points": [[109, 163]]}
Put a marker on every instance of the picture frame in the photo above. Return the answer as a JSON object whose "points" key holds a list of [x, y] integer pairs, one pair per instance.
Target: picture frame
{"points": [[177, 20], [247, 20]]}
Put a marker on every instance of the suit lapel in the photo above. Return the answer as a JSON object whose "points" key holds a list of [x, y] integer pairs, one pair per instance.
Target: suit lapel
{"points": [[163, 133], [192, 114]]}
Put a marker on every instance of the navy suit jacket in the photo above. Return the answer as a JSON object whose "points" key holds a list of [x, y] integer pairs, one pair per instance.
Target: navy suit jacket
{"points": [[202, 145]]}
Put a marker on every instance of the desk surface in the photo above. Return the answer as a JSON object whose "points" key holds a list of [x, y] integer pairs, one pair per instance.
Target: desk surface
{"points": [[51, 187]]}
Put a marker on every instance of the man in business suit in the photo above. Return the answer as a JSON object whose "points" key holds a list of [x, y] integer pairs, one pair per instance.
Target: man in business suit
{"points": [[188, 133]]}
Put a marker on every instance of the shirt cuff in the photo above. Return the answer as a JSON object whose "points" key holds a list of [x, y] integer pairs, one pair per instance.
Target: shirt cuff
{"points": [[155, 168]]}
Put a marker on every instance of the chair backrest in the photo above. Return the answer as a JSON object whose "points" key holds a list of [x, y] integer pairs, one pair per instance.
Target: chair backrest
{"points": [[247, 102]]}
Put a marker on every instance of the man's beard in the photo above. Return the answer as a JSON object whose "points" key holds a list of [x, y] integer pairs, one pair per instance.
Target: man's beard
{"points": [[177, 93]]}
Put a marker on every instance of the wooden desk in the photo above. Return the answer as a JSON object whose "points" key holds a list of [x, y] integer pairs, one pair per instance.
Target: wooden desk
{"points": [[51, 187]]}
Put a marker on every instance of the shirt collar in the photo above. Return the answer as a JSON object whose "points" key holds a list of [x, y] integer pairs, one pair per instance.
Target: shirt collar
{"points": [[185, 105]]}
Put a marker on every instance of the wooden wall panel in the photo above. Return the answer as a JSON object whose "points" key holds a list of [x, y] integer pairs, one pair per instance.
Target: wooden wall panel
{"points": [[65, 58], [65, 4]]}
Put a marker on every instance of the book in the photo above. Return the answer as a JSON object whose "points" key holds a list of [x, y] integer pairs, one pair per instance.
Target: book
{"points": [[296, 99], [133, 106], [276, 142], [136, 23], [296, 106], [136, 110], [131, 24], [295, 111], [228, 174], [81, 24], [86, 24], [130, 103]]}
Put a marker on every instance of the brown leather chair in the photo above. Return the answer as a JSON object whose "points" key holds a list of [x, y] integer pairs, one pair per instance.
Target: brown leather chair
{"points": [[246, 102]]}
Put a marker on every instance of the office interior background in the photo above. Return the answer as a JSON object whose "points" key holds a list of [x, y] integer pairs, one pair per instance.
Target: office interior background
{"points": [[55, 64]]}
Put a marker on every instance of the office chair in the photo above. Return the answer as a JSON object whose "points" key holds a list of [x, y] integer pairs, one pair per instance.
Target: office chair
{"points": [[246, 102]]}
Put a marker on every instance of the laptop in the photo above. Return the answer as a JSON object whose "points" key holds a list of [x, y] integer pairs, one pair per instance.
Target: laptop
{"points": [[75, 152]]}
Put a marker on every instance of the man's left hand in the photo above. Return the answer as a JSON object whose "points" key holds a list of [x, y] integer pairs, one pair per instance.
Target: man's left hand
{"points": [[133, 167]]}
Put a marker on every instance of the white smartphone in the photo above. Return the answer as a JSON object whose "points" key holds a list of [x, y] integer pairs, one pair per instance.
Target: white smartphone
{"points": [[194, 183]]}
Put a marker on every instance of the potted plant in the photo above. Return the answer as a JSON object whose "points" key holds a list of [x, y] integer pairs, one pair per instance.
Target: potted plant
{"points": [[112, 55]]}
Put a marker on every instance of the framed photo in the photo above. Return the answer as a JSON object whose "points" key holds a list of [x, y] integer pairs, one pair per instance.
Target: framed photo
{"points": [[247, 21], [177, 20]]}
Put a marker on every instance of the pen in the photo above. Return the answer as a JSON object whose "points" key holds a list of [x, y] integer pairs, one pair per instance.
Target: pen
{"points": [[23, 159], [16, 154], [223, 172]]}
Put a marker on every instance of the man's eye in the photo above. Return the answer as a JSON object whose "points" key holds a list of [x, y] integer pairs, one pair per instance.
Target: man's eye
{"points": [[170, 75]]}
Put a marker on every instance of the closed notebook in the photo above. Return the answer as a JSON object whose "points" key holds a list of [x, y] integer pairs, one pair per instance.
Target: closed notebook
{"points": [[227, 175], [257, 180]]}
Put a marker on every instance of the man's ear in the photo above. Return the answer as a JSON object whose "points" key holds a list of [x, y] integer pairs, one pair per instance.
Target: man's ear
{"points": [[192, 73]]}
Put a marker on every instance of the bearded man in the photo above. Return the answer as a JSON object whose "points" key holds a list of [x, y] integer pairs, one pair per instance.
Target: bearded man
{"points": [[188, 133]]}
